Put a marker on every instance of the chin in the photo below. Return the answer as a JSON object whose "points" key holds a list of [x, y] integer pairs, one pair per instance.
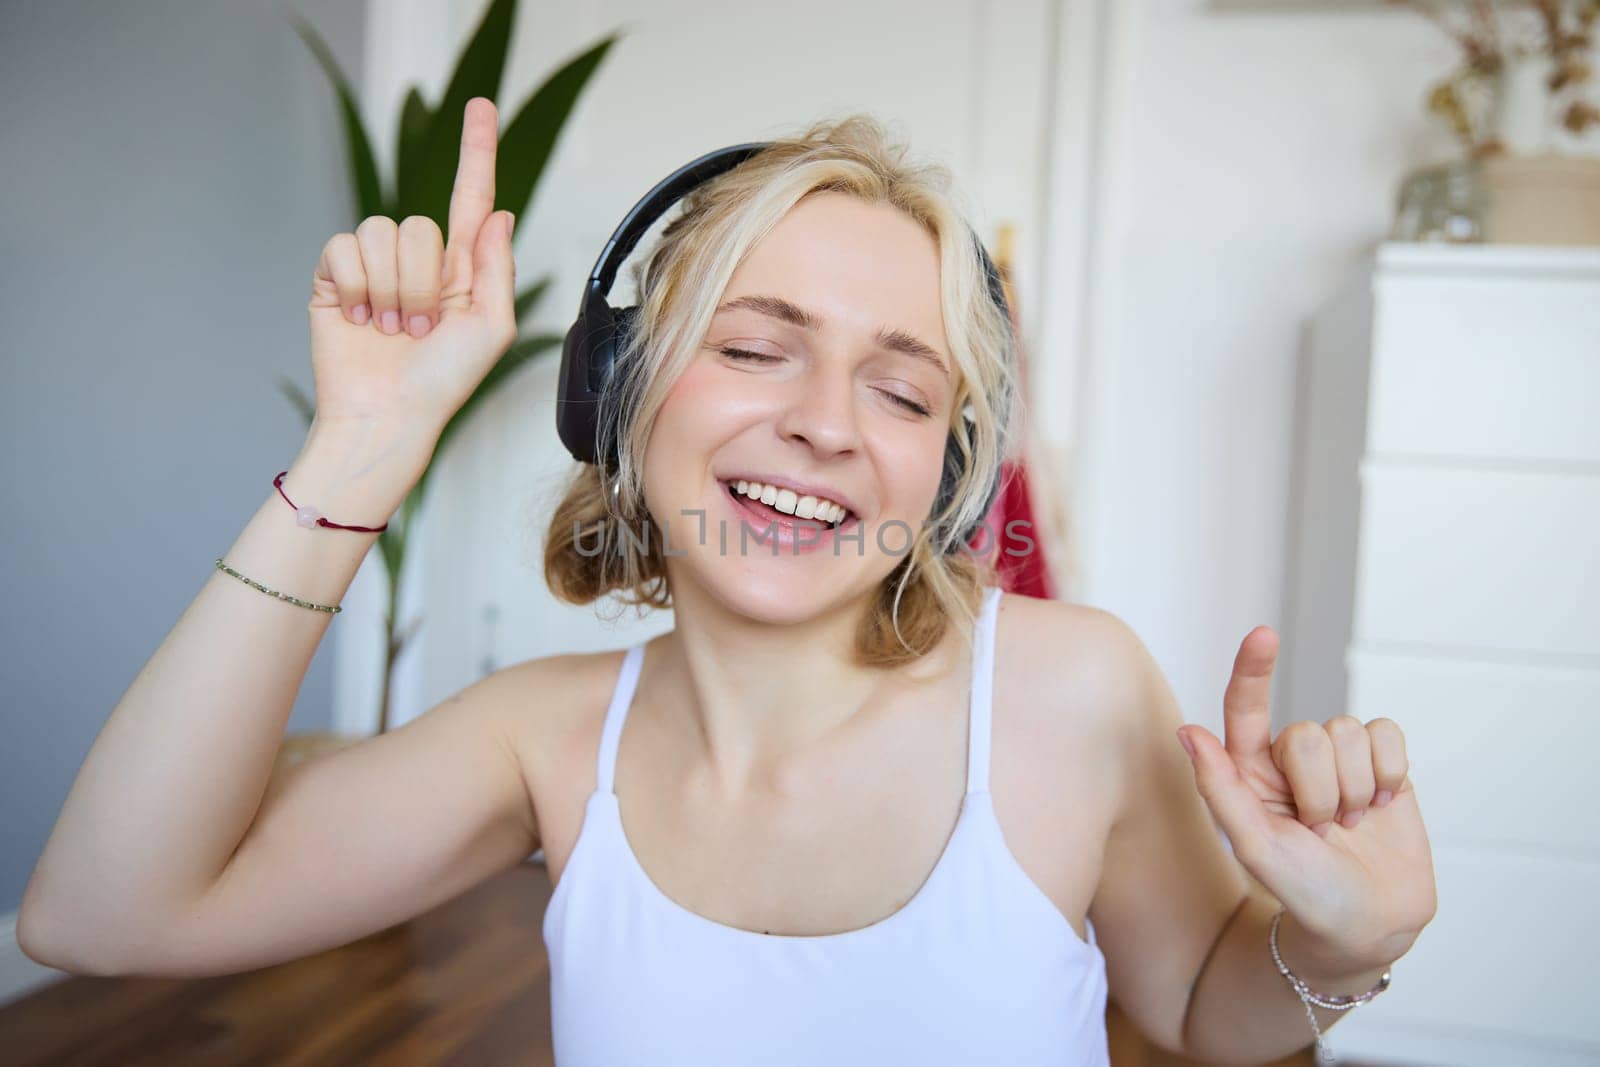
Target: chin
{"points": [[773, 600]]}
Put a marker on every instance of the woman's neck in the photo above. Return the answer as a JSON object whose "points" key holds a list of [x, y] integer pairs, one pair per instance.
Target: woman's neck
{"points": [[761, 699]]}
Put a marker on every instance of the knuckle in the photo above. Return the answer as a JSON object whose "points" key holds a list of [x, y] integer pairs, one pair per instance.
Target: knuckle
{"points": [[1303, 738], [1383, 724], [420, 226], [1345, 728], [1387, 737], [375, 226]]}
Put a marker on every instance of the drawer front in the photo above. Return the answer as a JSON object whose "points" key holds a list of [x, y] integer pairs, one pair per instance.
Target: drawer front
{"points": [[1503, 562], [1486, 365], [1502, 753], [1508, 960]]}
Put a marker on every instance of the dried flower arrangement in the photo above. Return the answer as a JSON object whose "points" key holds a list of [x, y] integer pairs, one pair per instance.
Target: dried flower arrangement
{"points": [[1562, 30]]}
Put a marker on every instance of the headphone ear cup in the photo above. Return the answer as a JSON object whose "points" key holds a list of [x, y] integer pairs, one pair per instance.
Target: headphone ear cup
{"points": [[953, 467], [575, 401], [951, 476], [617, 341]]}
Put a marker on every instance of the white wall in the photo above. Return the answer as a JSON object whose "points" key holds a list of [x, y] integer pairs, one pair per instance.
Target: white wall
{"points": [[1250, 162]]}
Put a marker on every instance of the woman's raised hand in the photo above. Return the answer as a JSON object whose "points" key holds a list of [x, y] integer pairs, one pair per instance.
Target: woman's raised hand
{"points": [[1324, 815], [405, 327]]}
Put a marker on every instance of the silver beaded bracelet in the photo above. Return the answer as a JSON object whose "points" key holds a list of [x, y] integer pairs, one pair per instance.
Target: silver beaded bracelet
{"points": [[332, 609], [1308, 996]]}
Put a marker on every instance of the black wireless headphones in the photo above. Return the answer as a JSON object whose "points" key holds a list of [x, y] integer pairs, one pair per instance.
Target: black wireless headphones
{"points": [[600, 332]]}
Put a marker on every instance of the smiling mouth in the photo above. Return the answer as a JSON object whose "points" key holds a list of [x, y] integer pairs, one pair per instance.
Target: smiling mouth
{"points": [[767, 510]]}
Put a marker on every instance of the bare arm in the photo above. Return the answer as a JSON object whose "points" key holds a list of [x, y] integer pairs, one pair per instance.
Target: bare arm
{"points": [[1186, 921], [1168, 885], [373, 835], [176, 774], [167, 845]]}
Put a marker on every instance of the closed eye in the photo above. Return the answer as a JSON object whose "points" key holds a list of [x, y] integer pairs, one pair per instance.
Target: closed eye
{"points": [[746, 356], [754, 357]]}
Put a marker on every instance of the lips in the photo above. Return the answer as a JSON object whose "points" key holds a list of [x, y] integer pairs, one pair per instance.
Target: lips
{"points": [[786, 526], [755, 504], [799, 489]]}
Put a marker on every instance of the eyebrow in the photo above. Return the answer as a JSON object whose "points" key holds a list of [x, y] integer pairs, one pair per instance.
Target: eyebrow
{"points": [[779, 308]]}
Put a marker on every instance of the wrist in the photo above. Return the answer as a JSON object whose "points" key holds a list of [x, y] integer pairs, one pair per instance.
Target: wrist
{"points": [[368, 441], [356, 473], [1327, 967]]}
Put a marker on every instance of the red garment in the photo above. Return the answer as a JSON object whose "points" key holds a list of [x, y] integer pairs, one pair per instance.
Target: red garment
{"points": [[1017, 551], [1018, 555]]}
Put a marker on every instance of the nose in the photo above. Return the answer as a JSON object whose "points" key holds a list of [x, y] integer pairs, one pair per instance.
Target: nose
{"points": [[821, 411]]}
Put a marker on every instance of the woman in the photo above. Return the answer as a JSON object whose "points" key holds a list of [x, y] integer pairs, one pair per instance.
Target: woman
{"points": [[875, 811]]}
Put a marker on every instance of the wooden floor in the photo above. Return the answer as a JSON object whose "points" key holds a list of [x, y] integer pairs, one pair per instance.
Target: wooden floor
{"points": [[467, 984]]}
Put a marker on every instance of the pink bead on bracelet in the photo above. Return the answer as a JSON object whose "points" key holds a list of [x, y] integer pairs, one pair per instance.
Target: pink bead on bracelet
{"points": [[309, 517]]}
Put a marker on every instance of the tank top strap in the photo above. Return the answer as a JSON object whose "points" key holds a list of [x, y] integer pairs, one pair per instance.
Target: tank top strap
{"points": [[981, 711], [611, 731]]}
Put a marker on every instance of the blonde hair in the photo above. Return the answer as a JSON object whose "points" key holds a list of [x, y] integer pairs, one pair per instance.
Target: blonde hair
{"points": [[679, 287]]}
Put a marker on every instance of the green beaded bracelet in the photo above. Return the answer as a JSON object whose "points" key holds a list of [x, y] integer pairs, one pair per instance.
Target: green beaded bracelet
{"points": [[332, 609]]}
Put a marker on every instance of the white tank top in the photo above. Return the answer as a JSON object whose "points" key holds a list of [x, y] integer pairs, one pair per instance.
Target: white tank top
{"points": [[980, 966]]}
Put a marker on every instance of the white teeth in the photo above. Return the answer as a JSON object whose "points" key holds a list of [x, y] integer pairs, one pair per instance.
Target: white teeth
{"points": [[791, 503]]}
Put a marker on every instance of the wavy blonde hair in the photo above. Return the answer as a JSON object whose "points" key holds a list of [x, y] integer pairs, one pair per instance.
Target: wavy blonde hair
{"points": [[679, 286]]}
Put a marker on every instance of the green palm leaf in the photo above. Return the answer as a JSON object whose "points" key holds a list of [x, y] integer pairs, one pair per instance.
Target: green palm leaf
{"points": [[415, 119], [477, 73], [530, 297], [530, 137], [358, 149]]}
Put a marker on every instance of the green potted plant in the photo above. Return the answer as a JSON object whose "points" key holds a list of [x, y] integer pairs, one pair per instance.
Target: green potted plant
{"points": [[426, 150]]}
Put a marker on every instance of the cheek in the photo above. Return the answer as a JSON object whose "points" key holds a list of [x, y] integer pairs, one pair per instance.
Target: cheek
{"points": [[918, 462], [695, 418], [706, 404], [681, 419]]}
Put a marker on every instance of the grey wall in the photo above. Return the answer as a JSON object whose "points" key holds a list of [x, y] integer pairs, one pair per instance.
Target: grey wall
{"points": [[169, 171]]}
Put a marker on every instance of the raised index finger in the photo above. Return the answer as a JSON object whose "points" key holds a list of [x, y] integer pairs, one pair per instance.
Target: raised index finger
{"points": [[472, 197], [1247, 703]]}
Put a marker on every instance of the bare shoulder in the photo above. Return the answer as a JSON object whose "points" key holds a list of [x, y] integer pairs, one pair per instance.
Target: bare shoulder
{"points": [[1066, 683], [1087, 698], [547, 712], [550, 706], [1077, 660]]}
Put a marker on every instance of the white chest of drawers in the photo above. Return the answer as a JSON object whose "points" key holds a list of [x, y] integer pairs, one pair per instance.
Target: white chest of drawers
{"points": [[1444, 570]]}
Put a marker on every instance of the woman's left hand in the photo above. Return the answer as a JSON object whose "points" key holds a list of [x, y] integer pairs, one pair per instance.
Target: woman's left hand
{"points": [[1324, 816]]}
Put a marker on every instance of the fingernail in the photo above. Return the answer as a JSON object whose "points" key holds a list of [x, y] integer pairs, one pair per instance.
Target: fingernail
{"points": [[1350, 818], [1322, 828], [418, 325], [1382, 797], [359, 313], [511, 223], [391, 321], [1188, 746]]}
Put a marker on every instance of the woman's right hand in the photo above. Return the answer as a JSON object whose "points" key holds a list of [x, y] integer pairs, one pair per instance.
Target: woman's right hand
{"points": [[404, 327]]}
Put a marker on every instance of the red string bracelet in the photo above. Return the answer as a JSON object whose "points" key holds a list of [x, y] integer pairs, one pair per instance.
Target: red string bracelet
{"points": [[308, 516]]}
